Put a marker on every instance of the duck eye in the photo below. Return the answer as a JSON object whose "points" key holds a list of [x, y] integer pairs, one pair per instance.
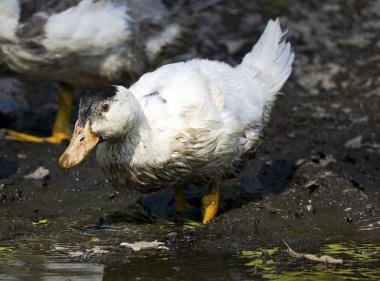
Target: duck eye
{"points": [[105, 107]]}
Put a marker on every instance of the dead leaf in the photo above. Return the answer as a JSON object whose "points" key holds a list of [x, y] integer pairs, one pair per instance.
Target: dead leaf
{"points": [[76, 254], [144, 245], [94, 251], [322, 259], [60, 248]]}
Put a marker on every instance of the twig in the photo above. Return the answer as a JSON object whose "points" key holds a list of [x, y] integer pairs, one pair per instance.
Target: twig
{"points": [[322, 259]]}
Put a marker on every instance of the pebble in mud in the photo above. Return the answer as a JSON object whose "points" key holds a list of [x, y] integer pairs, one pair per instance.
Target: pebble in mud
{"points": [[39, 174]]}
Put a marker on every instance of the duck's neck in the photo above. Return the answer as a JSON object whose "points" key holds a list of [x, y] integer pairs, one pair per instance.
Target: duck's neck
{"points": [[141, 143], [127, 150], [139, 134]]}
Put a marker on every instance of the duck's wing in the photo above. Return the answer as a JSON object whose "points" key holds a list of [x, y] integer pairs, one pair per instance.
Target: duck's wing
{"points": [[62, 27], [24, 21], [178, 95]]}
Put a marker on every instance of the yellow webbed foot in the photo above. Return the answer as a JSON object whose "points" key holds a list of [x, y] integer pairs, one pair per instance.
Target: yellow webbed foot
{"points": [[61, 127], [210, 203], [57, 137]]}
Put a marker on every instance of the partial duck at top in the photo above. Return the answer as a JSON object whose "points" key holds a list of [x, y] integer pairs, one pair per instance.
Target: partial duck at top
{"points": [[84, 43]]}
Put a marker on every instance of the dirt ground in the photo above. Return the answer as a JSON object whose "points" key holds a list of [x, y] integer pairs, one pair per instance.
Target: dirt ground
{"points": [[315, 178]]}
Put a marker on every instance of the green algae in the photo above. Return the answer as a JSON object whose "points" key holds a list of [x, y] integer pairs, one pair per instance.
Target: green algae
{"points": [[40, 222], [6, 250], [361, 262]]}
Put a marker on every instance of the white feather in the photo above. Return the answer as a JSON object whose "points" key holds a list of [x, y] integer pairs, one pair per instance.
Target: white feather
{"points": [[95, 26], [9, 16], [271, 58]]}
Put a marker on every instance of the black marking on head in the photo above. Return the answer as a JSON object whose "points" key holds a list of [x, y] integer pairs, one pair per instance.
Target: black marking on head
{"points": [[88, 102]]}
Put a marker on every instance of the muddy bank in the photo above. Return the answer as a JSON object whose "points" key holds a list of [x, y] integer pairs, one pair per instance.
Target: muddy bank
{"points": [[317, 207]]}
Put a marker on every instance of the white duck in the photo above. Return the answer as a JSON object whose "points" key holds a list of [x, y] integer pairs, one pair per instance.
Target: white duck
{"points": [[183, 122], [83, 43]]}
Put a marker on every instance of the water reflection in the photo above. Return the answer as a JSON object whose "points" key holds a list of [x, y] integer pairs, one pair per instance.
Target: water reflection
{"points": [[361, 262], [183, 266], [43, 268]]}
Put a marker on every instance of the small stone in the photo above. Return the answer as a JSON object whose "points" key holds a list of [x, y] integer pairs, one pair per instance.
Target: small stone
{"points": [[60, 248], [369, 208], [327, 160], [94, 240], [291, 135], [21, 156], [39, 174], [171, 237], [356, 40], [300, 162], [359, 120], [355, 143]]}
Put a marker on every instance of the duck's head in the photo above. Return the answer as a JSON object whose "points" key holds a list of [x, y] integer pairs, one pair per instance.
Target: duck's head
{"points": [[107, 113]]}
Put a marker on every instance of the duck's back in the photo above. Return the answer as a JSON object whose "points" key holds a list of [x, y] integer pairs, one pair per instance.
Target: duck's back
{"points": [[82, 42]]}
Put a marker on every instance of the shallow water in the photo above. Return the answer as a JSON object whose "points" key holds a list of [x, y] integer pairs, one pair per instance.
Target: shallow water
{"points": [[37, 258], [41, 267]]}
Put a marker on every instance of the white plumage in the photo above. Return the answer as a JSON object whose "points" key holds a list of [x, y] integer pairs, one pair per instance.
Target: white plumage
{"points": [[185, 121], [9, 16], [94, 27], [215, 96]]}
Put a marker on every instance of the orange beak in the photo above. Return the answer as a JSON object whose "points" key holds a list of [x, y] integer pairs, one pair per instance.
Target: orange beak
{"points": [[82, 142]]}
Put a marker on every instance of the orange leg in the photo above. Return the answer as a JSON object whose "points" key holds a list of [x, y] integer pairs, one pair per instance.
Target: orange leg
{"points": [[180, 202], [210, 203], [61, 127]]}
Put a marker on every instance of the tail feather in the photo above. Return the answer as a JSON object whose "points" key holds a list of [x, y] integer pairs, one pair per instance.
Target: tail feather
{"points": [[271, 58]]}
